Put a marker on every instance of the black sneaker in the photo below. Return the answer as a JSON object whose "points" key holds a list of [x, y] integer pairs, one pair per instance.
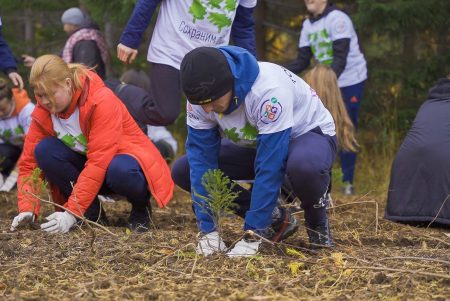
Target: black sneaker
{"points": [[283, 224], [96, 213], [139, 220], [320, 236]]}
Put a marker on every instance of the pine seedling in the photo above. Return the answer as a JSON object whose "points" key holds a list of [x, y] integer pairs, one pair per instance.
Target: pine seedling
{"points": [[36, 180], [220, 198]]}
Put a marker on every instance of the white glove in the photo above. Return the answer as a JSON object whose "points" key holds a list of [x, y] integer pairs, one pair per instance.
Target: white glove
{"points": [[106, 198], [210, 243], [245, 248], [21, 219], [59, 222], [10, 181]]}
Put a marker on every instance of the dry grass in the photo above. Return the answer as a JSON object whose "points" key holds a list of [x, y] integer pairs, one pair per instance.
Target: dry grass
{"points": [[397, 263]]}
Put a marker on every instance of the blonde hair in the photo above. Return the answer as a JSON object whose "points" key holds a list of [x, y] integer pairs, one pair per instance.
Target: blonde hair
{"points": [[49, 71], [323, 79]]}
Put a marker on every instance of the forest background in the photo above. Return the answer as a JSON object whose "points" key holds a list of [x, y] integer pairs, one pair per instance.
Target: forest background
{"points": [[406, 44]]}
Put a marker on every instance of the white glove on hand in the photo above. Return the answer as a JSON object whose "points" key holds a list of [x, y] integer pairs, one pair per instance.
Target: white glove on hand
{"points": [[21, 219], [59, 222], [210, 243], [245, 248]]}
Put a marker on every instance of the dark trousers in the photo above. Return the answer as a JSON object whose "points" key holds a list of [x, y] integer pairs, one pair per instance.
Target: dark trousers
{"points": [[352, 96], [164, 104], [61, 166], [9, 154], [309, 163]]}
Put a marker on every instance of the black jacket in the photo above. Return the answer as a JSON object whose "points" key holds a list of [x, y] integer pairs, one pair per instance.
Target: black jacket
{"points": [[420, 179]]}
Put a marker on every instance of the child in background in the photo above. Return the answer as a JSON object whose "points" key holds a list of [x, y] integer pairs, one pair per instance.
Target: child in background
{"points": [[15, 120], [323, 80], [328, 35]]}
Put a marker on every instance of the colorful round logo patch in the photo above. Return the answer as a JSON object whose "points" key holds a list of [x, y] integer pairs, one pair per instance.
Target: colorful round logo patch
{"points": [[340, 27], [270, 110]]}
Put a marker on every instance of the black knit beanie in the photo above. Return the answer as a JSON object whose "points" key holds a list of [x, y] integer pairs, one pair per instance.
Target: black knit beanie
{"points": [[205, 75]]}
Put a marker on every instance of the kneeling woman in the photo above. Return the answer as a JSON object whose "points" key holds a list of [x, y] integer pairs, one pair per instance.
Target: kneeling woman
{"points": [[85, 142]]}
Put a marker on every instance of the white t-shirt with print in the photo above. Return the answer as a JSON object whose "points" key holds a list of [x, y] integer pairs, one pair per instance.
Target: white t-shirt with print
{"points": [[278, 100], [320, 35], [183, 25], [69, 132], [14, 129]]}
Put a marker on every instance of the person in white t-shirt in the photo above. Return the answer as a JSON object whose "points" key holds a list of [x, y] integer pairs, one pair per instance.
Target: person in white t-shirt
{"points": [[182, 25], [15, 119], [328, 35], [283, 129]]}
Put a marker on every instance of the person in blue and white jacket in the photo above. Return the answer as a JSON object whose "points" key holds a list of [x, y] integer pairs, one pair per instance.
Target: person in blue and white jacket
{"points": [[328, 35], [182, 25], [285, 131]]}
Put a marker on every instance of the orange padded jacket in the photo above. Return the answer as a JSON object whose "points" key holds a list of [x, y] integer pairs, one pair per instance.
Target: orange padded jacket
{"points": [[110, 130]]}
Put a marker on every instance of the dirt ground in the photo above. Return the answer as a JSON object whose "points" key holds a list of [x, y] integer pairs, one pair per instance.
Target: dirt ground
{"points": [[372, 261]]}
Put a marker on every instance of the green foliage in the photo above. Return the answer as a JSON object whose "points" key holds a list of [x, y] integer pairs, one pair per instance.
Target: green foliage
{"points": [[36, 180], [220, 198], [117, 11]]}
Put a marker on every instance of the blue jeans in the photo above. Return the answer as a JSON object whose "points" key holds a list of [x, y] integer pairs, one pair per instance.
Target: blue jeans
{"points": [[61, 166], [352, 96]]}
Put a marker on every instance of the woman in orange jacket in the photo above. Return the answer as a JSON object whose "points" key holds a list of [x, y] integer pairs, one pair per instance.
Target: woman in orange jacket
{"points": [[85, 142]]}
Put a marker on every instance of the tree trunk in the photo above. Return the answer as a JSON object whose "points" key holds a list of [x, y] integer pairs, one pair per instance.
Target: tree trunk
{"points": [[109, 37], [29, 30], [260, 30]]}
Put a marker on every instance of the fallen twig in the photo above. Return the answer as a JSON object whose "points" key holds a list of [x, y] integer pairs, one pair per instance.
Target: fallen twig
{"points": [[74, 214], [439, 211], [415, 258], [398, 270]]}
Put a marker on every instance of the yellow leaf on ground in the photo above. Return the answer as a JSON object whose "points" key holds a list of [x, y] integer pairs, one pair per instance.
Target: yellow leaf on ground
{"points": [[294, 267], [338, 258], [294, 252]]}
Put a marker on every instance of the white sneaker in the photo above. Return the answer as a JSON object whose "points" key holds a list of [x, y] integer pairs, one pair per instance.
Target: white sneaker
{"points": [[347, 189], [210, 243], [245, 248]]}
